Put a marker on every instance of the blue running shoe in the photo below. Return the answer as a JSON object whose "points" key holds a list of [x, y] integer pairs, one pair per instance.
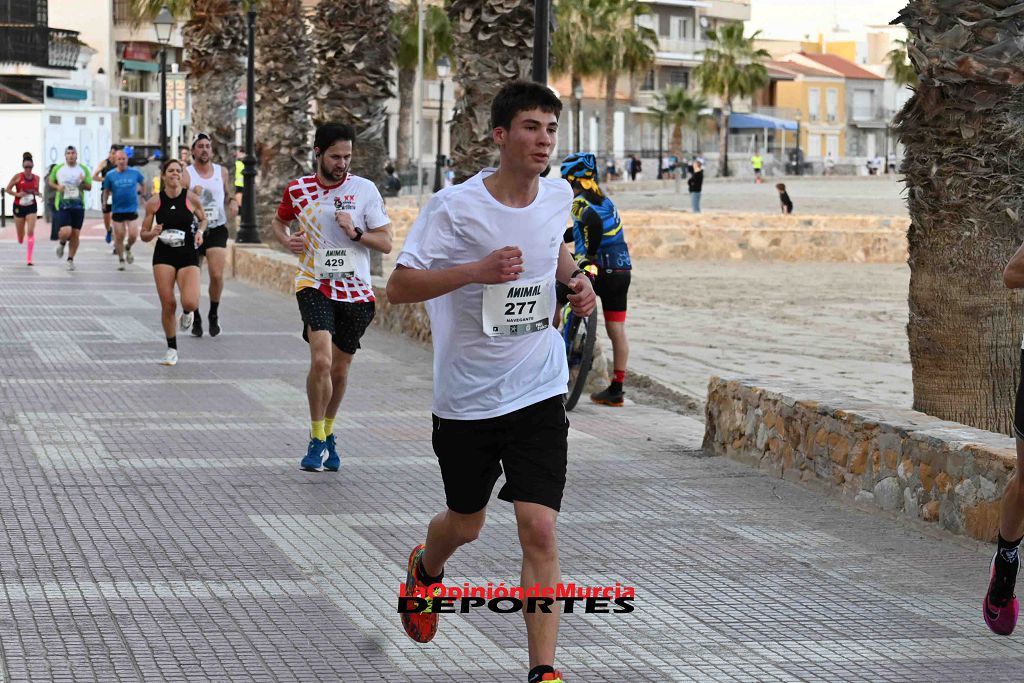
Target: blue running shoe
{"points": [[333, 462], [314, 456], [110, 236]]}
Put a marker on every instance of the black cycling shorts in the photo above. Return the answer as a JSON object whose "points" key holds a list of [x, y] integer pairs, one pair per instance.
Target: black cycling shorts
{"points": [[177, 257], [610, 286], [1018, 406], [25, 211], [123, 217], [345, 320], [214, 238], [529, 445]]}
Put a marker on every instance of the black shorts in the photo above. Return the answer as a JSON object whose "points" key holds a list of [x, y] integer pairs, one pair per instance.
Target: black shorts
{"points": [[177, 257], [72, 218], [530, 445], [124, 217], [23, 211], [214, 238], [611, 286], [1018, 406], [345, 320], [108, 208]]}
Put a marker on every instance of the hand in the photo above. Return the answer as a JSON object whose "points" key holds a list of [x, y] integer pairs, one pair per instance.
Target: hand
{"points": [[583, 300], [501, 265], [199, 238], [344, 219], [156, 229], [297, 242]]}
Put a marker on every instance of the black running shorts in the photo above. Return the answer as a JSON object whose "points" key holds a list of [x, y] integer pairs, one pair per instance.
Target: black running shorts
{"points": [[1018, 406], [345, 320], [25, 211], [214, 238], [530, 445], [123, 217], [177, 257], [69, 218]]}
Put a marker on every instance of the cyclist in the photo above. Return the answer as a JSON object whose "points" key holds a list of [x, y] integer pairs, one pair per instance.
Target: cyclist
{"points": [[600, 249]]}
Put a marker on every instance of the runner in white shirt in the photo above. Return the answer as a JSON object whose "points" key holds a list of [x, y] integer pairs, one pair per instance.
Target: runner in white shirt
{"points": [[341, 219], [485, 256]]}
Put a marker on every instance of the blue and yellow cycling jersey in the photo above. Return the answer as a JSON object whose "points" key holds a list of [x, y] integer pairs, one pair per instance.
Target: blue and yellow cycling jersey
{"points": [[597, 232]]}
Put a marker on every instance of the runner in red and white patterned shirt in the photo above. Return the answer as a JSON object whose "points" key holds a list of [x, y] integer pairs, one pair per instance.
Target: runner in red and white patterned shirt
{"points": [[341, 218]]}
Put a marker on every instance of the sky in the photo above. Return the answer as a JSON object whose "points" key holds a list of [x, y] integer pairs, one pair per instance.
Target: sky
{"points": [[792, 19]]}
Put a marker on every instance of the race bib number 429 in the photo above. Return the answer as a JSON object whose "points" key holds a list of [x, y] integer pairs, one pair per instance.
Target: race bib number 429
{"points": [[514, 309], [333, 264]]}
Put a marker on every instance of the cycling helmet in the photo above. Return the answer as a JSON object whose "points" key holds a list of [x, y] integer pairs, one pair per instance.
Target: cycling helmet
{"points": [[579, 165]]}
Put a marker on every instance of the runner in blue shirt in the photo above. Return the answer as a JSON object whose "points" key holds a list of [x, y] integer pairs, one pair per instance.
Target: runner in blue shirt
{"points": [[122, 188]]}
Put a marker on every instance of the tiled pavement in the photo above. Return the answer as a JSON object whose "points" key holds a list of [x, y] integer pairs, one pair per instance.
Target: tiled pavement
{"points": [[154, 524]]}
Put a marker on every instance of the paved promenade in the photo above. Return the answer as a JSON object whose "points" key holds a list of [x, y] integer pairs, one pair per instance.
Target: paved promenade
{"points": [[155, 525]]}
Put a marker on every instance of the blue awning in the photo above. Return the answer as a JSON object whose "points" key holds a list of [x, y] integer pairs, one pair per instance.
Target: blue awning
{"points": [[139, 65], [58, 93], [760, 121]]}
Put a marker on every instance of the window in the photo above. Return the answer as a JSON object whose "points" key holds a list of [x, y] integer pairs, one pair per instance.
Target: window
{"points": [[813, 146], [832, 104], [814, 104], [680, 28], [79, 120], [132, 121], [664, 23], [55, 120], [832, 146], [863, 105], [648, 82], [677, 77]]}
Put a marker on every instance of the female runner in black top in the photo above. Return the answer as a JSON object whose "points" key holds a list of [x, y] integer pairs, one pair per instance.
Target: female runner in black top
{"points": [[177, 220]]}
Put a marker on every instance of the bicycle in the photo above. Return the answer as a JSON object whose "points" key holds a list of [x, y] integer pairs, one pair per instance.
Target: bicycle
{"points": [[579, 335]]}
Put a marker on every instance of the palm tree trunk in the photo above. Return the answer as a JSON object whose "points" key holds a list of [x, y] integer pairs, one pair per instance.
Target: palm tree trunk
{"points": [[611, 83], [282, 102], [963, 134], [215, 37], [493, 44], [406, 88], [675, 146], [723, 139]]}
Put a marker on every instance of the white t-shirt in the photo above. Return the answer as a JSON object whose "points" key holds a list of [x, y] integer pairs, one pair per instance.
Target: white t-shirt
{"points": [[211, 191], [345, 264], [477, 375]]}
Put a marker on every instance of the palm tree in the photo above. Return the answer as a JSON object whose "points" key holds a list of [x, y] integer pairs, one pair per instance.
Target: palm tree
{"points": [[437, 42], [578, 46], [493, 44], [965, 192], [732, 68], [214, 41], [283, 93], [629, 49], [682, 109], [355, 49], [900, 69]]}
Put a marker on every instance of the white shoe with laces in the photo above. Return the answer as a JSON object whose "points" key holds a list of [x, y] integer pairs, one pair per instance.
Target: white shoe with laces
{"points": [[60, 250], [71, 265], [170, 358], [128, 256]]}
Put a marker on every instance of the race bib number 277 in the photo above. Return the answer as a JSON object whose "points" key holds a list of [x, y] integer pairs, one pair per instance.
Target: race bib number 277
{"points": [[514, 309]]}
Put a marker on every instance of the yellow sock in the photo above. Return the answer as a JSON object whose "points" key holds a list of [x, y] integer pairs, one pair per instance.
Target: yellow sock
{"points": [[318, 430], [328, 426]]}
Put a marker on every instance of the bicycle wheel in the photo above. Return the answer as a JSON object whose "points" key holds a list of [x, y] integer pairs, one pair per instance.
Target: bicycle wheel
{"points": [[579, 350]]}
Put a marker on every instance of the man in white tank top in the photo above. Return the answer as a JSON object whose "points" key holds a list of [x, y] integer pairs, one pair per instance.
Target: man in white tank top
{"points": [[210, 182]]}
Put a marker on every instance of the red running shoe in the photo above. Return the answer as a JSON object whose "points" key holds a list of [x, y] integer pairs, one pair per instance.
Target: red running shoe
{"points": [[1000, 618], [420, 626]]}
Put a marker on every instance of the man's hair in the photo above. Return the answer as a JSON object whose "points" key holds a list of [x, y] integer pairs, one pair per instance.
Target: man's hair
{"points": [[116, 148], [780, 186], [520, 96], [331, 132]]}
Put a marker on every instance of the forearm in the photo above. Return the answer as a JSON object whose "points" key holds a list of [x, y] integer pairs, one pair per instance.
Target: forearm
{"points": [[566, 265], [378, 240], [281, 232], [410, 285], [1013, 274]]}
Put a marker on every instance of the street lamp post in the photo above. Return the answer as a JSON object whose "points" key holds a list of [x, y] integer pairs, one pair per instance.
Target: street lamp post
{"points": [[661, 133], [443, 69], [799, 161], [164, 26], [577, 93], [247, 231], [541, 39]]}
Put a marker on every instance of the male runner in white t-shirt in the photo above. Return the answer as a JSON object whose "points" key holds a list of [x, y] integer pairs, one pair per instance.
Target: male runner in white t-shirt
{"points": [[485, 256], [341, 219]]}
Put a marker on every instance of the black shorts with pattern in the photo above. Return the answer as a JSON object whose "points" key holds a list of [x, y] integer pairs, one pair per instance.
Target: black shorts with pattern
{"points": [[345, 320]]}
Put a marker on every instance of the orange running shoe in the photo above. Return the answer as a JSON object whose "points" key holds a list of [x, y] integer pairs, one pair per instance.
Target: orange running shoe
{"points": [[420, 626], [552, 678]]}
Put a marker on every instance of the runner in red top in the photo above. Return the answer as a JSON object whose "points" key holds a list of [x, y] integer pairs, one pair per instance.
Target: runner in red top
{"points": [[24, 187]]}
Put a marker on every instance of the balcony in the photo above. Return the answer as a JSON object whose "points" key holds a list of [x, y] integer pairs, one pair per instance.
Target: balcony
{"points": [[40, 46], [689, 48], [867, 117]]}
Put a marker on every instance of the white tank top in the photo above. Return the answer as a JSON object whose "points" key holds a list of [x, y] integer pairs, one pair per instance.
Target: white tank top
{"points": [[211, 191]]}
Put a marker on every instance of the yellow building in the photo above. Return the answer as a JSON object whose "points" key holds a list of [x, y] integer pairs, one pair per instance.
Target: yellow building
{"points": [[816, 97]]}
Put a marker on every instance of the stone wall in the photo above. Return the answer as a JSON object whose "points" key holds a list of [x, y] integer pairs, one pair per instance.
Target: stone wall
{"points": [[901, 461], [275, 270], [747, 236]]}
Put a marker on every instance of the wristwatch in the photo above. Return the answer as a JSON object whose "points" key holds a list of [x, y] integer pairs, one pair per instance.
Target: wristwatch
{"points": [[359, 235]]}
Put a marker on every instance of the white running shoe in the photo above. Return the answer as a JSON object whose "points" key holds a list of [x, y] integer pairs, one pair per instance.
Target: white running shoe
{"points": [[120, 265], [185, 323], [60, 250], [128, 256], [71, 265], [170, 358]]}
